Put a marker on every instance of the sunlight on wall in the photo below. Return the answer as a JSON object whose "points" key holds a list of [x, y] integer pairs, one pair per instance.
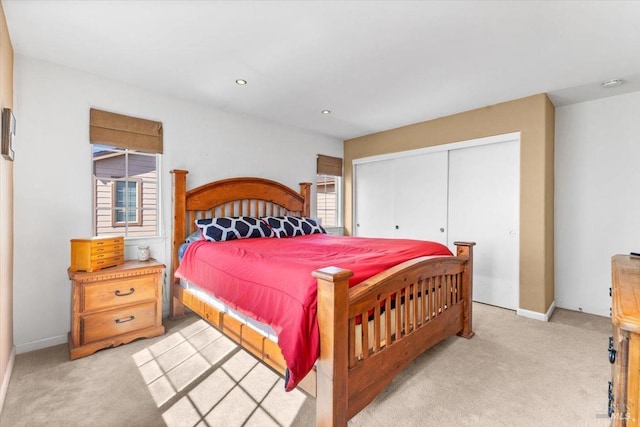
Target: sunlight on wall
{"points": [[198, 374]]}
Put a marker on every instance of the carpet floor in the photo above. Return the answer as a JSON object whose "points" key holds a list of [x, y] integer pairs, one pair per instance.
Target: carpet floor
{"points": [[514, 372]]}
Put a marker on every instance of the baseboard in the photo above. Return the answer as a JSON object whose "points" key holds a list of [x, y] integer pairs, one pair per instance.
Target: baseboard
{"points": [[7, 377], [40, 344], [544, 317]]}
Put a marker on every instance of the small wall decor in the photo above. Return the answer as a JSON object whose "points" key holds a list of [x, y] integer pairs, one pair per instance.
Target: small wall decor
{"points": [[8, 134]]}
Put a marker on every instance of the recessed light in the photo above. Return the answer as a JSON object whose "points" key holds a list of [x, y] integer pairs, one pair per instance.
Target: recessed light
{"points": [[241, 82], [612, 83], [326, 111]]}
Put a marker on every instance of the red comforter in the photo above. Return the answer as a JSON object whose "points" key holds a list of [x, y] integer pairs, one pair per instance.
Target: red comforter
{"points": [[270, 280]]}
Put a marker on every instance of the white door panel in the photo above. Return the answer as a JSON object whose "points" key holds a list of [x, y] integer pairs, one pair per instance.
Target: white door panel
{"points": [[421, 197], [373, 199], [484, 194]]}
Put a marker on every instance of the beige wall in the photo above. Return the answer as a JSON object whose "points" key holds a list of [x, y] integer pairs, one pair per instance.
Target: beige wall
{"points": [[533, 117], [6, 215]]}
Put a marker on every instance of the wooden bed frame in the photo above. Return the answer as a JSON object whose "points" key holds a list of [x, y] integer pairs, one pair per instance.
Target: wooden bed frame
{"points": [[344, 380]]}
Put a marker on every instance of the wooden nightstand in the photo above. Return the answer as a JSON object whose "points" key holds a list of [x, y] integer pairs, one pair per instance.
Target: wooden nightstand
{"points": [[115, 306]]}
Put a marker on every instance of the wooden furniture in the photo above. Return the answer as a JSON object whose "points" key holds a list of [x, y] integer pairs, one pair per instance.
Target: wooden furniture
{"points": [[115, 306], [624, 345], [96, 253], [344, 380]]}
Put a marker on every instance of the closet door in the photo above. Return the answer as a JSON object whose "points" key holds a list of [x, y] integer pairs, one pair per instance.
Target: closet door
{"points": [[420, 203], [484, 195], [373, 195]]}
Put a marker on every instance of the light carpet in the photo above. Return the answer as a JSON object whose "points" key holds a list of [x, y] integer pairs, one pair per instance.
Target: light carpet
{"points": [[514, 372]]}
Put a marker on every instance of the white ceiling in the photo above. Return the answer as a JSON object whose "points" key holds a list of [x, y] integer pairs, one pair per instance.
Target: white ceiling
{"points": [[375, 64]]}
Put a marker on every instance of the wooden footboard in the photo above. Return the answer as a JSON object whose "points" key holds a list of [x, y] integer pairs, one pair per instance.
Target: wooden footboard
{"points": [[430, 300]]}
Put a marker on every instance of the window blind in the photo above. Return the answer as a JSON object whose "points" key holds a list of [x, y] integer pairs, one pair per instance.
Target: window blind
{"points": [[125, 132], [327, 165]]}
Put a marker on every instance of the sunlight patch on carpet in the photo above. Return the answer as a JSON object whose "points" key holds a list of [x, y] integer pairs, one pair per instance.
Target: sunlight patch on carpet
{"points": [[198, 376]]}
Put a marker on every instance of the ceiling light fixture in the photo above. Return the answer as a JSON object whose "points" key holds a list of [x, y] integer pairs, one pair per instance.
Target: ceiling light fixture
{"points": [[612, 83], [241, 82], [326, 111]]}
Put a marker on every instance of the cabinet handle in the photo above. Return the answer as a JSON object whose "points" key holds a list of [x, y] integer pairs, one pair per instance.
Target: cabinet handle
{"points": [[611, 400], [129, 319], [612, 351], [118, 294], [397, 227]]}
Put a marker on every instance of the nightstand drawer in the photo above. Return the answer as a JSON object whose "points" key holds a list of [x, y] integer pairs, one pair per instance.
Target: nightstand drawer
{"points": [[96, 327], [115, 305], [117, 293]]}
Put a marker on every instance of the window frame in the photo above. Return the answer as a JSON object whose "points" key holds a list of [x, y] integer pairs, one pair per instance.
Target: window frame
{"points": [[124, 227], [339, 226], [138, 206]]}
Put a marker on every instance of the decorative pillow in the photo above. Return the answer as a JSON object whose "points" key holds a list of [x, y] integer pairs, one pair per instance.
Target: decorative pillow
{"points": [[291, 226], [233, 227]]}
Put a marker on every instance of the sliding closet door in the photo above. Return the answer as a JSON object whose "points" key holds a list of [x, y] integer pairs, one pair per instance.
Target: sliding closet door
{"points": [[484, 194], [405, 197], [373, 197], [421, 197]]}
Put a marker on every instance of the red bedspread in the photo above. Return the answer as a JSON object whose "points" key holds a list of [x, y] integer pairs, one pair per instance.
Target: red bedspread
{"points": [[270, 280]]}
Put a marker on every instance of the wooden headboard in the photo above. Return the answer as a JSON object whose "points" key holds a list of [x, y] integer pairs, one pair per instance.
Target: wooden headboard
{"points": [[231, 197]]}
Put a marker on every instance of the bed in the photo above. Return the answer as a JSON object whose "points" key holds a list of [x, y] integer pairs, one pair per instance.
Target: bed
{"points": [[367, 330]]}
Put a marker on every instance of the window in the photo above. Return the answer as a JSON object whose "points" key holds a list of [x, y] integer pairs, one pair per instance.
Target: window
{"points": [[329, 193], [328, 200], [127, 203], [125, 162], [125, 187]]}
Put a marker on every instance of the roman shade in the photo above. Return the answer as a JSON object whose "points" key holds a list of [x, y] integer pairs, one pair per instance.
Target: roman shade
{"points": [[125, 132], [329, 165]]}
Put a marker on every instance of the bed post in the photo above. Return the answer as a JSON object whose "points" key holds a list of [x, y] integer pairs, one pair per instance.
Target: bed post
{"points": [[305, 191], [179, 218], [465, 251], [332, 369]]}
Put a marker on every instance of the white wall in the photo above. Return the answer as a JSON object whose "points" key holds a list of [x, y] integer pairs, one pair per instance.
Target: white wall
{"points": [[597, 197], [53, 175]]}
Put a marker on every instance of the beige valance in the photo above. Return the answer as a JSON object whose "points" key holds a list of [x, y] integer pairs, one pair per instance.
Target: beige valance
{"points": [[125, 132], [329, 165]]}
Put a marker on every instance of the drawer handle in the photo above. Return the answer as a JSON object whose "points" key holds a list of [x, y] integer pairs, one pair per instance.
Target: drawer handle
{"points": [[129, 319], [611, 408], [118, 294], [612, 351]]}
